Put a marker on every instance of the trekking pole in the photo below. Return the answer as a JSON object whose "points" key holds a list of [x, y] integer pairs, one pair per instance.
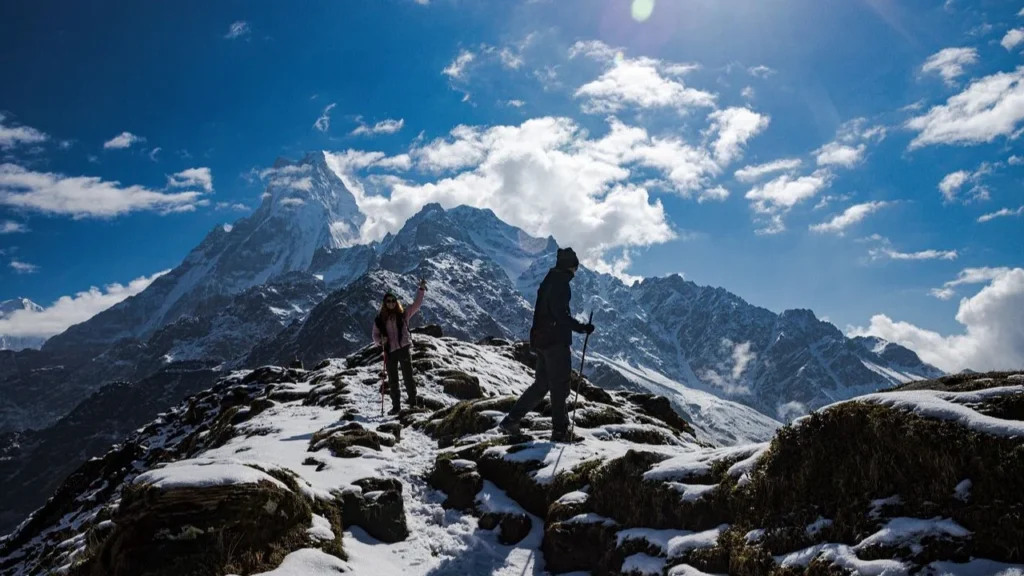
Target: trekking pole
{"points": [[583, 359], [383, 375]]}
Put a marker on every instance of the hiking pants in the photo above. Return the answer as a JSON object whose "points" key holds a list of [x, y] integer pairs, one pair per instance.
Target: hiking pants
{"points": [[400, 356], [553, 371]]}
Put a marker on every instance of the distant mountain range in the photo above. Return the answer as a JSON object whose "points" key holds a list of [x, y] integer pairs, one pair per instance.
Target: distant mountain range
{"points": [[11, 342], [292, 281]]}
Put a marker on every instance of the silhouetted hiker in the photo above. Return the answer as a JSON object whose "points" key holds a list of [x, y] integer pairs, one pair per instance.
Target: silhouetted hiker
{"points": [[551, 337], [391, 332]]}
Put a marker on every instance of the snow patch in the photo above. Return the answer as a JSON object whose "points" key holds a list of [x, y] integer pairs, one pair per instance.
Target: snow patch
{"points": [[643, 564], [204, 473]]}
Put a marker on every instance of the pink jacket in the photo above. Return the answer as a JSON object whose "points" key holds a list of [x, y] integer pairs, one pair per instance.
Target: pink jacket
{"points": [[393, 341]]}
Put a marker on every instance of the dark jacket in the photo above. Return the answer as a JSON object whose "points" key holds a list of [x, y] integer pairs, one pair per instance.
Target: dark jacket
{"points": [[553, 323]]}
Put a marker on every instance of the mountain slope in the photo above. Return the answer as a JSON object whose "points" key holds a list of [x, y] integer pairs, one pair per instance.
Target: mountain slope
{"points": [[301, 473], [302, 213], [712, 340]]}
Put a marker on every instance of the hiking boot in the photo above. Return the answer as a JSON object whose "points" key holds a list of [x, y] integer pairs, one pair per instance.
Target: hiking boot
{"points": [[561, 437], [509, 427], [413, 402], [394, 411]]}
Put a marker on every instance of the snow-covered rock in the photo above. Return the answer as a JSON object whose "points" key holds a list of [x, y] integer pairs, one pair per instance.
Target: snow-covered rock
{"points": [[303, 467]]}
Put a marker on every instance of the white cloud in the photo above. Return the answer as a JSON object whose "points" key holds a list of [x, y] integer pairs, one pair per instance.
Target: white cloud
{"points": [[826, 200], [154, 152], [11, 227], [950, 62], [988, 108], [992, 338], [511, 59], [849, 217], [122, 140], [23, 267], [753, 173], [200, 177], [388, 126], [716, 194], [761, 71], [885, 250], [513, 169], [735, 126], [293, 177], [741, 357], [836, 154], [1001, 213], [229, 206], [457, 69], [11, 136], [84, 196], [323, 123], [292, 202], [748, 93], [399, 162], [775, 198], [238, 29], [1016, 160], [635, 82], [877, 253], [1013, 38], [70, 310], [953, 182], [515, 103]]}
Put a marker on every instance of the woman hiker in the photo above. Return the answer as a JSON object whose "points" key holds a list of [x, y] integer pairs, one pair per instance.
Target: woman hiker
{"points": [[391, 332]]}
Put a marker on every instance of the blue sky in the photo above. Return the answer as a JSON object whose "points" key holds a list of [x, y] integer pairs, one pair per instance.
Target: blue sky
{"points": [[893, 128]]}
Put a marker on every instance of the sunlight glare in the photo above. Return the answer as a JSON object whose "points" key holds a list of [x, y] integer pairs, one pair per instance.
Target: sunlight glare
{"points": [[642, 9]]}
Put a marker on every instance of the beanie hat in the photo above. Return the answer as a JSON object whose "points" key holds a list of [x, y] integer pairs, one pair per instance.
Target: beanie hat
{"points": [[566, 258]]}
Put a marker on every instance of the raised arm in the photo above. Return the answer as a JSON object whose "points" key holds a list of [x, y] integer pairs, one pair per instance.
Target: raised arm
{"points": [[415, 307]]}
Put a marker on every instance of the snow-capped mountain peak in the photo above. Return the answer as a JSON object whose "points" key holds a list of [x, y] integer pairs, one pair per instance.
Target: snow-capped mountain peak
{"points": [[9, 307]]}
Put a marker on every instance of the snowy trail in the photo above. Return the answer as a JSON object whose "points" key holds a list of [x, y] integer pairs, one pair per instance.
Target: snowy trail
{"points": [[440, 542]]}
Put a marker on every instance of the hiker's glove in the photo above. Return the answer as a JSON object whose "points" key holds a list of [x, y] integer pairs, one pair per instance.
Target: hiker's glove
{"points": [[588, 329], [423, 284]]}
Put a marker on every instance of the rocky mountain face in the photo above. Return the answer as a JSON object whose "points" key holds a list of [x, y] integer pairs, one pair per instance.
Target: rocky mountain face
{"points": [[10, 341], [289, 471], [712, 340], [290, 282]]}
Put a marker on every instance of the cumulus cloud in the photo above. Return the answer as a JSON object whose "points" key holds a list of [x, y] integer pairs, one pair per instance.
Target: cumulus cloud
{"points": [[122, 140], [1001, 214], [953, 182], [85, 196], [12, 227], [238, 29], [761, 71], [734, 127], [968, 276], [836, 154], [323, 123], [753, 173], [988, 108], [850, 145], [70, 310], [638, 82], [775, 198], [849, 217], [716, 194], [513, 169], [11, 136], [949, 63], [193, 177], [293, 177], [387, 126], [515, 103], [23, 267], [457, 69], [992, 338], [748, 92], [1013, 38]]}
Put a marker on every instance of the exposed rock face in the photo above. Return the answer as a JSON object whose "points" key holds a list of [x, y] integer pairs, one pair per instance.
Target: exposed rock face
{"points": [[284, 459]]}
